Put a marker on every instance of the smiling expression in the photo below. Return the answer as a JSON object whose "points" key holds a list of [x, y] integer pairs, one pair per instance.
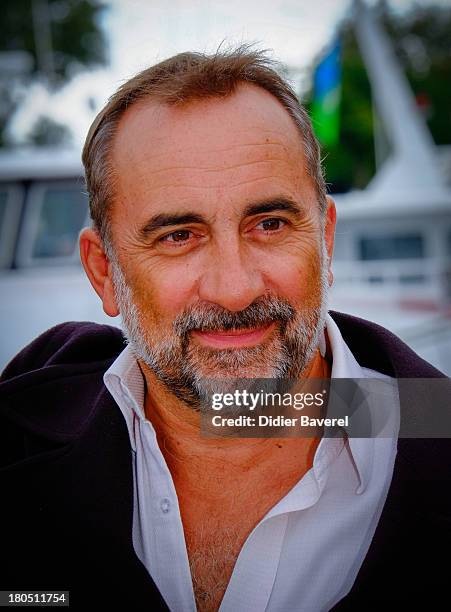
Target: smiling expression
{"points": [[220, 244]]}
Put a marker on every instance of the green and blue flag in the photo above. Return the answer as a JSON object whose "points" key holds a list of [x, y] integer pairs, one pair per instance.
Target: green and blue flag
{"points": [[326, 97]]}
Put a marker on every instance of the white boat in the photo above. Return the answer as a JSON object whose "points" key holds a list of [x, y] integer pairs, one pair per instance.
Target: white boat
{"points": [[392, 259]]}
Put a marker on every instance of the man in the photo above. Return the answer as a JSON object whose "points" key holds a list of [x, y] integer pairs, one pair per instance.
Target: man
{"points": [[212, 237]]}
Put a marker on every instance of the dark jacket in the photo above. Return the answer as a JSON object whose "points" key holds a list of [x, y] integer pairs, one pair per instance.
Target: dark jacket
{"points": [[66, 481]]}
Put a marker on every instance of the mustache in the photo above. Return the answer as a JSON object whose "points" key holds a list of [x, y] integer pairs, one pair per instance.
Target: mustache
{"points": [[210, 317]]}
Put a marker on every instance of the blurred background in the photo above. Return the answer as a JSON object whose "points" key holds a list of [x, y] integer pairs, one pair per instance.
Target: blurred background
{"points": [[375, 77]]}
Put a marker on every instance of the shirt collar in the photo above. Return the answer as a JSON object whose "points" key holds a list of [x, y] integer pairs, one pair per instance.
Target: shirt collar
{"points": [[345, 365], [124, 380]]}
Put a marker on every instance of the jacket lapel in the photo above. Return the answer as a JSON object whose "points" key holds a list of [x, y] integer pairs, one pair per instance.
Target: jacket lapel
{"points": [[73, 503]]}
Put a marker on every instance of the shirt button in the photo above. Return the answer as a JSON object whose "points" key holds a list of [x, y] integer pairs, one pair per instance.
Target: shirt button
{"points": [[165, 505]]}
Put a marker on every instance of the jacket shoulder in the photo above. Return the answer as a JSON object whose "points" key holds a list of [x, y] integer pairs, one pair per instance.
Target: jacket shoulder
{"points": [[51, 390], [72, 343], [378, 348]]}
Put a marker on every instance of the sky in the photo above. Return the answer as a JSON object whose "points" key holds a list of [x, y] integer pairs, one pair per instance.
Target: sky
{"points": [[143, 32]]}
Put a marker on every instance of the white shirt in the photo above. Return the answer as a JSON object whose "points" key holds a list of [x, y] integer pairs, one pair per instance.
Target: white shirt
{"points": [[305, 553]]}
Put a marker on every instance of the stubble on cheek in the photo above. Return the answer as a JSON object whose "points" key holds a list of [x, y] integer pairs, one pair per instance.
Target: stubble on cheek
{"points": [[146, 300], [311, 298], [307, 287]]}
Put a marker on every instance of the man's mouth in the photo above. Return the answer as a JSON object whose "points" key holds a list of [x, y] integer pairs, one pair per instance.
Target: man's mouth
{"points": [[233, 338]]}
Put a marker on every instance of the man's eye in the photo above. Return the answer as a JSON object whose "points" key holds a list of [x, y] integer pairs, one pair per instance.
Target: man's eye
{"points": [[178, 236], [271, 225]]}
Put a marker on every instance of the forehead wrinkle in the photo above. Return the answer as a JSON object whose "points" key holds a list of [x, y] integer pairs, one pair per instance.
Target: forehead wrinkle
{"points": [[197, 147], [128, 155], [199, 152], [186, 176], [276, 177], [215, 175], [197, 168]]}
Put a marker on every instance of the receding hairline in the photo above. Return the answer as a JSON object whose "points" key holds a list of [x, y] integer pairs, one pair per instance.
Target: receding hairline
{"points": [[155, 106], [167, 89]]}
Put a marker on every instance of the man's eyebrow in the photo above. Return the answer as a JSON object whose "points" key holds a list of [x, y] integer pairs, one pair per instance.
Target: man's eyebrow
{"points": [[266, 206], [272, 205], [167, 220]]}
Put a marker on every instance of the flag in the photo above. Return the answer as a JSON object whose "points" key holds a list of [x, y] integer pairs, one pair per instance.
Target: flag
{"points": [[326, 97]]}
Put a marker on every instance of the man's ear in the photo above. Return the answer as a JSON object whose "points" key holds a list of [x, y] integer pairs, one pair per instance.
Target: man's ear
{"points": [[98, 269], [329, 234]]}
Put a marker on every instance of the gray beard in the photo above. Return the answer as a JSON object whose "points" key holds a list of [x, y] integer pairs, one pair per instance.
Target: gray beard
{"points": [[192, 372]]}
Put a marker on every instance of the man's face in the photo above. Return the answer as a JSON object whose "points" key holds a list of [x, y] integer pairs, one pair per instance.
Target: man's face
{"points": [[219, 241]]}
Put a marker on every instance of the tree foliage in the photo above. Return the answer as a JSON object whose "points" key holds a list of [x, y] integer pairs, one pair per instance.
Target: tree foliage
{"points": [[61, 37], [420, 38], [75, 34]]}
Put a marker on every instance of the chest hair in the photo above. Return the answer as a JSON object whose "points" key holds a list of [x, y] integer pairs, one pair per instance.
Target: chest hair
{"points": [[212, 551]]}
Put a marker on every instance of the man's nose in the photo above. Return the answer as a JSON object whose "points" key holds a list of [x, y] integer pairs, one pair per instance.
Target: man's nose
{"points": [[231, 280]]}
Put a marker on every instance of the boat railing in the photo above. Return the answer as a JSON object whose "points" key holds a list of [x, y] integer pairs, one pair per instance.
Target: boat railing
{"points": [[432, 275]]}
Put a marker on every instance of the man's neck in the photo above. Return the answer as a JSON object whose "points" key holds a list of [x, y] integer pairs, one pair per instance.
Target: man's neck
{"points": [[178, 432]]}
